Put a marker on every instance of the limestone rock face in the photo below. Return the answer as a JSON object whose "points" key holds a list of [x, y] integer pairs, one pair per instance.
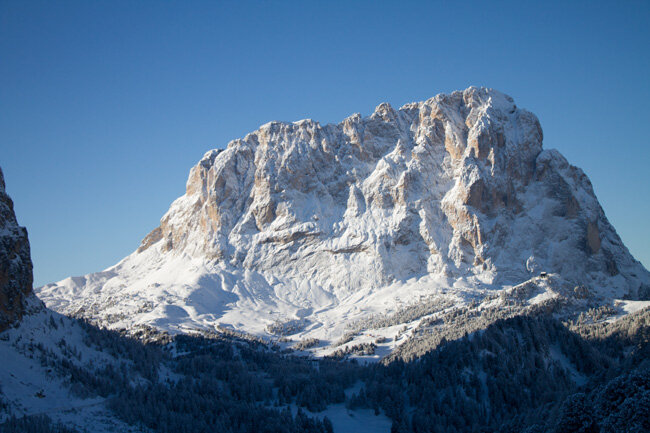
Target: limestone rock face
{"points": [[458, 184], [15, 262], [294, 218]]}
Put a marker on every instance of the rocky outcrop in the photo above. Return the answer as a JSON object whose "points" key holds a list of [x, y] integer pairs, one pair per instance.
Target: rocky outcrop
{"points": [[15, 262]]}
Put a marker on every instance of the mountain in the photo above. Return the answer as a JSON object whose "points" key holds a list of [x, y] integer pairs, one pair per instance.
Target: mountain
{"points": [[15, 262], [309, 230], [500, 362]]}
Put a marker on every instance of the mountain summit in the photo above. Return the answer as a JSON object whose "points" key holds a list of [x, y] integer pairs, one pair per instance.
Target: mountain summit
{"points": [[323, 224]]}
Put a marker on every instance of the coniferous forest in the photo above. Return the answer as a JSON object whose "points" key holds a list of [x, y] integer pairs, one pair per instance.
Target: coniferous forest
{"points": [[526, 373]]}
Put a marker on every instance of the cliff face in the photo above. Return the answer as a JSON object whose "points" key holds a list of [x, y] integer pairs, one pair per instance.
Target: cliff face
{"points": [[457, 185], [15, 262], [299, 218]]}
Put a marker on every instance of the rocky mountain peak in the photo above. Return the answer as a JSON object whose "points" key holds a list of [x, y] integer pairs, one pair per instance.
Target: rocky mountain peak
{"points": [[296, 218], [441, 182]]}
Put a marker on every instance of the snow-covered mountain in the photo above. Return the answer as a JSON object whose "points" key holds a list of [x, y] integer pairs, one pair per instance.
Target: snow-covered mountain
{"points": [[60, 374], [313, 227]]}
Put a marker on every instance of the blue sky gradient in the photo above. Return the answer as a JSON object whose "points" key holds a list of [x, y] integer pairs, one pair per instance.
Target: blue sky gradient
{"points": [[105, 106]]}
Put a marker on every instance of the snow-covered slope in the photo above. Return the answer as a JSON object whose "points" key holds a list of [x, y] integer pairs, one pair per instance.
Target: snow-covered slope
{"points": [[317, 225], [31, 385]]}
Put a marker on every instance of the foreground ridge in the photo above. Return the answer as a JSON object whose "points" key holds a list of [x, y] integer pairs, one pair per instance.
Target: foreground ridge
{"points": [[16, 276]]}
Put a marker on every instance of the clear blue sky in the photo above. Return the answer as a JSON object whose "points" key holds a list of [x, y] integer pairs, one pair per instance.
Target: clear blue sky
{"points": [[105, 106]]}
